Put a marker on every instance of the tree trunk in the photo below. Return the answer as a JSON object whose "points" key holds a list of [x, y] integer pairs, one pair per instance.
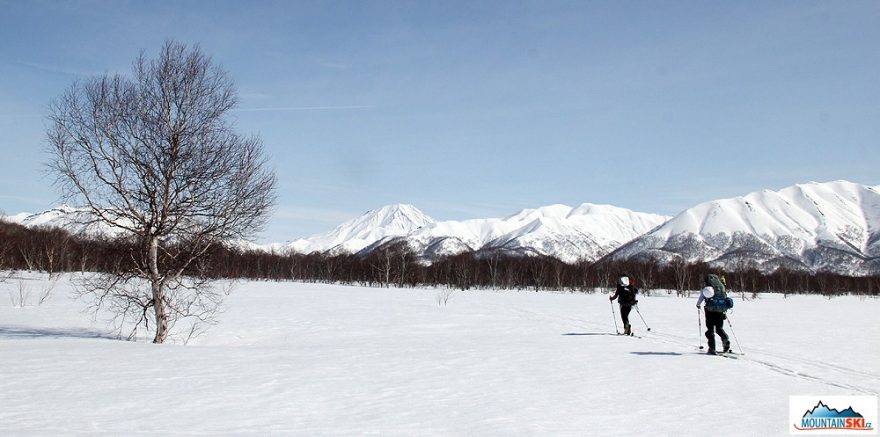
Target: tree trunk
{"points": [[158, 293]]}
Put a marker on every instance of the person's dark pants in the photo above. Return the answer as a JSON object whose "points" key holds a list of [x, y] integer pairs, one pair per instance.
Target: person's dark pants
{"points": [[715, 324], [624, 314]]}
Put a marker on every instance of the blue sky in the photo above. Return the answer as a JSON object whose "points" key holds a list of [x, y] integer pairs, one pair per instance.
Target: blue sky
{"points": [[478, 109]]}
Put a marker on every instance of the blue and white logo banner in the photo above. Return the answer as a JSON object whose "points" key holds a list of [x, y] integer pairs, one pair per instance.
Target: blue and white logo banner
{"points": [[832, 415]]}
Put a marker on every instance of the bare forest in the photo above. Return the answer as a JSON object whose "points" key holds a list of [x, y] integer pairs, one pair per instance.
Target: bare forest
{"points": [[54, 250]]}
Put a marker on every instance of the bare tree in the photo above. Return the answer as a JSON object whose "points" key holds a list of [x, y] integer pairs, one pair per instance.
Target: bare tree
{"points": [[492, 262], [682, 273], [647, 271], [5, 246], [384, 265], [603, 276], [537, 271], [154, 155]]}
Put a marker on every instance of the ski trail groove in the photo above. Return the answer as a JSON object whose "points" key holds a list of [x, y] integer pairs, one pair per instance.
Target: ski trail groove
{"points": [[677, 340], [783, 369]]}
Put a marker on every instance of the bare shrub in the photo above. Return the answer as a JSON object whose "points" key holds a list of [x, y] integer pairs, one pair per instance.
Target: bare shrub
{"points": [[443, 296]]}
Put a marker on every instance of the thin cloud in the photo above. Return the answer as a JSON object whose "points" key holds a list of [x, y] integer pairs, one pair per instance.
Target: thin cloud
{"points": [[320, 215], [310, 186], [334, 65], [58, 69], [25, 200], [254, 95], [304, 108]]}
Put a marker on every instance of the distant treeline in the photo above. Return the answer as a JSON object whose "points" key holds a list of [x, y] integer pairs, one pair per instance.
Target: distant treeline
{"points": [[54, 250]]}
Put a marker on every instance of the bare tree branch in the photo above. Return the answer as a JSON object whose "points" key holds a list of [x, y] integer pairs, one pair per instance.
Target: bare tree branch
{"points": [[155, 156]]}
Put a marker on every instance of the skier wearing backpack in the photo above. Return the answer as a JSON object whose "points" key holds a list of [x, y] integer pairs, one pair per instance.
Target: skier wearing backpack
{"points": [[717, 304], [626, 295]]}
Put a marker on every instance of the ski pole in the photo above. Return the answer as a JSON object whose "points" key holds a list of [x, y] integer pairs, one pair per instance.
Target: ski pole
{"points": [[614, 317], [643, 319], [700, 324], [734, 335]]}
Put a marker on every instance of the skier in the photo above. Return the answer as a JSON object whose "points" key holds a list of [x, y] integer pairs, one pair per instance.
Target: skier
{"points": [[715, 315], [627, 294]]}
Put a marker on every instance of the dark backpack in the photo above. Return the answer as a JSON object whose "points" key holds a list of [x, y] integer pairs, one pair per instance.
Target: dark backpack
{"points": [[718, 303], [627, 295]]}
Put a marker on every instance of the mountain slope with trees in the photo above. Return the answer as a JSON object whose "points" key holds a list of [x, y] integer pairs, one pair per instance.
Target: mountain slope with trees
{"points": [[831, 227]]}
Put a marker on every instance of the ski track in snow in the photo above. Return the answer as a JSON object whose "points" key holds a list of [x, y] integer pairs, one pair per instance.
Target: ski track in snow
{"points": [[315, 359], [788, 368], [749, 357]]}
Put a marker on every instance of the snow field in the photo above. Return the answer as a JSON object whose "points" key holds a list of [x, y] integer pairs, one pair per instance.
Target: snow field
{"points": [[312, 359]]}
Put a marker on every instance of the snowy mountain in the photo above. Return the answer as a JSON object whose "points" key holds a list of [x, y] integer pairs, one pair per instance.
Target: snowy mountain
{"points": [[75, 220], [570, 234], [832, 226], [349, 237], [356, 234]]}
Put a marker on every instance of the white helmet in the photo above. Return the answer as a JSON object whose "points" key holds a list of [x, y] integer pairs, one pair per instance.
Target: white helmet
{"points": [[624, 281], [708, 292]]}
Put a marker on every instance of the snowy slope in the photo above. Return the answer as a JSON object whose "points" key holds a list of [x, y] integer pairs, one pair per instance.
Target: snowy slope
{"points": [[82, 222], [74, 220], [832, 226], [587, 232], [360, 232], [570, 234], [307, 359]]}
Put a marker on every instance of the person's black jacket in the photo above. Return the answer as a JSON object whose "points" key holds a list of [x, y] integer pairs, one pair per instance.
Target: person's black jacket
{"points": [[626, 294]]}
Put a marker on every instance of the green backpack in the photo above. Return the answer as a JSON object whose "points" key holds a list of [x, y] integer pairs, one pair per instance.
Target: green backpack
{"points": [[718, 303]]}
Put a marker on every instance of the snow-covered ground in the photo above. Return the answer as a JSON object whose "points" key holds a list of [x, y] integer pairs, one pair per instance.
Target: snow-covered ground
{"points": [[307, 359]]}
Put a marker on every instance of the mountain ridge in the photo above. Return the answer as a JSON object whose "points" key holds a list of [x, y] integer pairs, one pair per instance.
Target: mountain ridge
{"points": [[831, 226], [570, 234]]}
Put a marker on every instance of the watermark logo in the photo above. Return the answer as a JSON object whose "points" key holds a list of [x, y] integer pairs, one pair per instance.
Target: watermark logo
{"points": [[832, 415]]}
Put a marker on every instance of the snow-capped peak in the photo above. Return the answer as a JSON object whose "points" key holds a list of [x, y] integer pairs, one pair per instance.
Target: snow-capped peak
{"points": [[568, 233], [571, 234], [74, 220], [556, 211], [399, 216], [358, 233], [815, 226]]}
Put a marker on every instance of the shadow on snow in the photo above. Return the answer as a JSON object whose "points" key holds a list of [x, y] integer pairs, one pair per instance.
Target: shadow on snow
{"points": [[657, 353], [590, 333], [25, 332]]}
